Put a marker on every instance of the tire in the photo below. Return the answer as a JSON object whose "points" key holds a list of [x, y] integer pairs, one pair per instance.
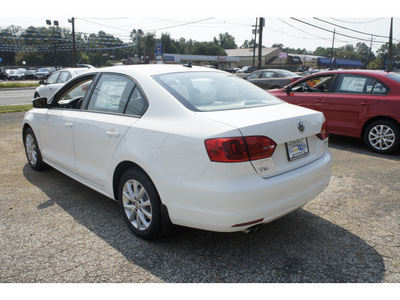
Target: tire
{"points": [[382, 136], [140, 204], [32, 151]]}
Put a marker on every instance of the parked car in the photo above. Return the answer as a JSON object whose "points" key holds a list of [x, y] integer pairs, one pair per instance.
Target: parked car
{"points": [[246, 69], [308, 72], [180, 145], [3, 74], [44, 73], [84, 66], [357, 103], [55, 81], [242, 72], [272, 78], [17, 75], [30, 74]]}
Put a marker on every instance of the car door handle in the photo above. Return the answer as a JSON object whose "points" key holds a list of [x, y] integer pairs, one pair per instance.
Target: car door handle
{"points": [[320, 101], [365, 103], [112, 133], [68, 124]]}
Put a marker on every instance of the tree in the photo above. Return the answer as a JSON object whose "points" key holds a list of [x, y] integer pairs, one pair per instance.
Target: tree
{"points": [[324, 52], [207, 48], [226, 41], [365, 52], [169, 45]]}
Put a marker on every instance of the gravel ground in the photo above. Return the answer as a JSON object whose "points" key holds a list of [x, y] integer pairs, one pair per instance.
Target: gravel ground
{"points": [[54, 229]]}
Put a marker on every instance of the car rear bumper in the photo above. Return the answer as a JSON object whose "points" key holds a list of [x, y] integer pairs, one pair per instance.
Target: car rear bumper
{"points": [[224, 204]]}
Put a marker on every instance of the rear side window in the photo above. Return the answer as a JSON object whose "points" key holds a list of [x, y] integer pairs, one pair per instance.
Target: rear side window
{"points": [[213, 91], [359, 84]]}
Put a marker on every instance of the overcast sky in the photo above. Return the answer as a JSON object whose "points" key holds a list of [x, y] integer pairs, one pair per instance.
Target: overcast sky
{"points": [[295, 24]]}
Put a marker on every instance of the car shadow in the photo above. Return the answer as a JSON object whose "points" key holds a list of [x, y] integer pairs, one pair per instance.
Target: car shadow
{"points": [[357, 146], [300, 247]]}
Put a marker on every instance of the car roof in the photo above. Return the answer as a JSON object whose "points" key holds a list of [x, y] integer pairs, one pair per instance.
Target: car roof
{"points": [[155, 69], [355, 71]]}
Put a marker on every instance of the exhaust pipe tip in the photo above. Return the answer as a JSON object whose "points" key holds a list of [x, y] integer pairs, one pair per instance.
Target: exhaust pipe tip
{"points": [[251, 229]]}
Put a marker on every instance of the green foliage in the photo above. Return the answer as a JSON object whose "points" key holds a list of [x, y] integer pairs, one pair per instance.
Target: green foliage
{"points": [[207, 48], [15, 108], [226, 41], [49, 46]]}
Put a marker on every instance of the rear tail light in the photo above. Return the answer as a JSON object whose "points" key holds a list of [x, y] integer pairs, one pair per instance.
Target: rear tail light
{"points": [[324, 132], [294, 79], [238, 149]]}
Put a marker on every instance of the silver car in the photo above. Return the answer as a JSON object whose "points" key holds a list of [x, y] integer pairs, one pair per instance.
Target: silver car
{"points": [[272, 78], [55, 81]]}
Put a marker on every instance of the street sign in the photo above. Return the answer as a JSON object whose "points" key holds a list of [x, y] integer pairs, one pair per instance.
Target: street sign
{"points": [[159, 51]]}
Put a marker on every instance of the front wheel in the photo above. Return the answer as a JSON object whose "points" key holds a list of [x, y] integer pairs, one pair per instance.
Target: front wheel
{"points": [[140, 204], [32, 150], [382, 136]]}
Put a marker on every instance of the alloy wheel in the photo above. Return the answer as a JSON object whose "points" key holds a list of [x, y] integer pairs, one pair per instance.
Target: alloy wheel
{"points": [[31, 149], [137, 205], [381, 137]]}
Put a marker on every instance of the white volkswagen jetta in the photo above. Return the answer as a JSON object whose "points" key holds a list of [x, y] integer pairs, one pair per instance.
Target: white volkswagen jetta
{"points": [[181, 145]]}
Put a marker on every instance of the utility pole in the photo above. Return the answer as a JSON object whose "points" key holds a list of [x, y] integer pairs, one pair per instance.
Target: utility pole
{"points": [[262, 24], [255, 42], [72, 20], [370, 49], [48, 22], [333, 44], [390, 54]]}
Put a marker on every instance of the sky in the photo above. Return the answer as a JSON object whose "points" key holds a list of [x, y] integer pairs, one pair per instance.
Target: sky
{"points": [[295, 24]]}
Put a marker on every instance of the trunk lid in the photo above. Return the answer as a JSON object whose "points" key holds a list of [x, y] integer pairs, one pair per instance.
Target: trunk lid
{"points": [[293, 129]]}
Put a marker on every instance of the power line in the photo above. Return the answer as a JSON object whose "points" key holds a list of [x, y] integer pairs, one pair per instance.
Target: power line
{"points": [[360, 32], [330, 31], [179, 25], [357, 22]]}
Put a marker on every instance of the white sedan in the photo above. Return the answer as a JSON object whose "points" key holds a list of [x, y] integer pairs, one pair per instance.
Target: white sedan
{"points": [[181, 145], [56, 80]]}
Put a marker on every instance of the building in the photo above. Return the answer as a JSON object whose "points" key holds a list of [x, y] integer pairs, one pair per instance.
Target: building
{"points": [[218, 62], [270, 57]]}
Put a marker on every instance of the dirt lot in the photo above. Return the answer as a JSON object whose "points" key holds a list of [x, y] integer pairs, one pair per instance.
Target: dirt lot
{"points": [[53, 229]]}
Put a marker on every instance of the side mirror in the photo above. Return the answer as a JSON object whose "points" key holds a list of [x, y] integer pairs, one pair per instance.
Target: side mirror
{"points": [[286, 89], [40, 103]]}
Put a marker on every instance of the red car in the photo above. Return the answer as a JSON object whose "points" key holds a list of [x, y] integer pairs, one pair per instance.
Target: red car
{"points": [[357, 103]]}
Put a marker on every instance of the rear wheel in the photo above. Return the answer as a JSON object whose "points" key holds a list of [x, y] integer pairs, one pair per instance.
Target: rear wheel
{"points": [[382, 136], [140, 204], [32, 150]]}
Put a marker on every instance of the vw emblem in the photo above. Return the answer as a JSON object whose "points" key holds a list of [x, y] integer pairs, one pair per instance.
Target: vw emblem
{"points": [[300, 126]]}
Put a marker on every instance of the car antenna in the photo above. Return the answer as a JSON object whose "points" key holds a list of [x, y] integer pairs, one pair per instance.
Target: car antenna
{"points": [[188, 64]]}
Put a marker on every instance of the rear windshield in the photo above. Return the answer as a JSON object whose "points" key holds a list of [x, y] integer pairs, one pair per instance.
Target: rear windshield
{"points": [[212, 91], [395, 77]]}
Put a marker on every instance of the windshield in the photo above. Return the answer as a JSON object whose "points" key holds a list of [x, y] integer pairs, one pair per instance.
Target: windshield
{"points": [[395, 77], [211, 91], [287, 73]]}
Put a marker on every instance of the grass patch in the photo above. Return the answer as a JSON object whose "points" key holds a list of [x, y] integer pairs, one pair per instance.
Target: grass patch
{"points": [[10, 85], [15, 108]]}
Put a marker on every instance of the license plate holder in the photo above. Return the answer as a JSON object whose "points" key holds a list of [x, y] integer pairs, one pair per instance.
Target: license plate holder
{"points": [[297, 149]]}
